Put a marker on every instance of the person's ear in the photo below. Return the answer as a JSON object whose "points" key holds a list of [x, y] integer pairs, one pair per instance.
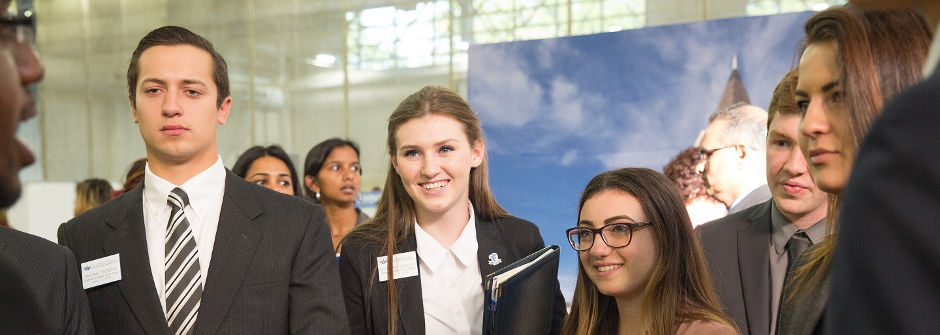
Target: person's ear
{"points": [[477, 151], [311, 183], [224, 110], [133, 108]]}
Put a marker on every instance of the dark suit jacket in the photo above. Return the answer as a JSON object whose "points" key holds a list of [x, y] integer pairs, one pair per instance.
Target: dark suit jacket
{"points": [[886, 271], [41, 281], [510, 238], [273, 270], [757, 196], [737, 250]]}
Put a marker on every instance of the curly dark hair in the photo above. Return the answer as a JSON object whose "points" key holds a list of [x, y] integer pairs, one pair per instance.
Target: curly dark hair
{"points": [[682, 170]]}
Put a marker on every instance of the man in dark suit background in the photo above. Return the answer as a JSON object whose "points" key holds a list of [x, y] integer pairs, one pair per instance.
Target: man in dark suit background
{"points": [[734, 162], [200, 250], [886, 269], [40, 290], [748, 252]]}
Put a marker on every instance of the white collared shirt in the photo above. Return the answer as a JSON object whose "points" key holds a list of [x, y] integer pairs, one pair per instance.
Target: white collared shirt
{"points": [[205, 192], [451, 284], [933, 56]]}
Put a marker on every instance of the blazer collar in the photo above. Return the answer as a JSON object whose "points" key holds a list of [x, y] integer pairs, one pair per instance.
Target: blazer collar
{"points": [[128, 239], [235, 243], [754, 267], [410, 300]]}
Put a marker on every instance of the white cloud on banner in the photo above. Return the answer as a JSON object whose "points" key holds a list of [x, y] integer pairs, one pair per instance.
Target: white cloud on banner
{"points": [[506, 96]]}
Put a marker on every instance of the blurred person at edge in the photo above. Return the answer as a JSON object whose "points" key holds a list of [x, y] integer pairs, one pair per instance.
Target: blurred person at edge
{"points": [[40, 287], [684, 170], [270, 167], [332, 176], [852, 63], [884, 271], [748, 252], [640, 270]]}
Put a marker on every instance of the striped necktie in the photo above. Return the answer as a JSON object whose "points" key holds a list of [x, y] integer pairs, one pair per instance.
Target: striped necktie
{"points": [[182, 280]]}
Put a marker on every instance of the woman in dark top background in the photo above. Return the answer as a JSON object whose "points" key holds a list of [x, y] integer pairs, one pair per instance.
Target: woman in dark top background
{"points": [[269, 167], [332, 176]]}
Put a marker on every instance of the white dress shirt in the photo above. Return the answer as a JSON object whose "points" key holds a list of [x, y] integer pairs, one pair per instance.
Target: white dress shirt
{"points": [[205, 203], [933, 56], [451, 282]]}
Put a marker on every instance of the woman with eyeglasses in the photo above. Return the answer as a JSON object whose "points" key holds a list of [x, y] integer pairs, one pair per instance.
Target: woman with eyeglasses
{"points": [[641, 269]]}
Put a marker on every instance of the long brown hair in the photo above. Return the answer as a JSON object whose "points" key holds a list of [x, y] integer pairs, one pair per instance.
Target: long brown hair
{"points": [[880, 54], [679, 289], [395, 213]]}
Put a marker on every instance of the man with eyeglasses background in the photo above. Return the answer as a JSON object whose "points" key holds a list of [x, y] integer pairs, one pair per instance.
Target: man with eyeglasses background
{"points": [[732, 149], [749, 252], [40, 290]]}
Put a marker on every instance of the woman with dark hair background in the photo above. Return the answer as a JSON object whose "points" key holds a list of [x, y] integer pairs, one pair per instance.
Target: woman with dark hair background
{"points": [[332, 176], [853, 63], [641, 269], [269, 167]]}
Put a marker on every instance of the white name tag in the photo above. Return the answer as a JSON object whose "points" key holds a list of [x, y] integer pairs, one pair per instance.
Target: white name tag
{"points": [[405, 265], [101, 271]]}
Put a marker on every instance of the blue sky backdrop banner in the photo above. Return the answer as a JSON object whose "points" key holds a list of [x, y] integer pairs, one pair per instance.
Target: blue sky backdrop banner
{"points": [[557, 112]]}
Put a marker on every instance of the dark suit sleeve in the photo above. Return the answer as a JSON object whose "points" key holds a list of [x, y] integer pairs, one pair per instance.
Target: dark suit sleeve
{"points": [[62, 234], [885, 272], [78, 312], [315, 295], [352, 277]]}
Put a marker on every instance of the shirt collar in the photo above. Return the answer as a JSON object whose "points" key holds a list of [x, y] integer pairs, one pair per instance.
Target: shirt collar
{"points": [[933, 56], [201, 188], [464, 248], [783, 230], [742, 196]]}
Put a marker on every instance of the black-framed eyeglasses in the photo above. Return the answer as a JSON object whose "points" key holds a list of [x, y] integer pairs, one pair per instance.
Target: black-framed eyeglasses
{"points": [[705, 154], [17, 26], [615, 235]]}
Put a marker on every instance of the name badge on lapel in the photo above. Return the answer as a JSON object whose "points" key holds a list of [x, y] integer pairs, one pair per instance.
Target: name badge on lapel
{"points": [[404, 265], [101, 271]]}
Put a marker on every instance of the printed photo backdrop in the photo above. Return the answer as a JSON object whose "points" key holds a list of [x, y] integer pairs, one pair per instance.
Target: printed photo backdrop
{"points": [[557, 112]]}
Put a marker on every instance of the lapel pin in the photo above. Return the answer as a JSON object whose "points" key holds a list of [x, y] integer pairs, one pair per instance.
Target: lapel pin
{"points": [[494, 259]]}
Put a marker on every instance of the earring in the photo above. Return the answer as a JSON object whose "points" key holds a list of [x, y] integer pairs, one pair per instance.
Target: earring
{"points": [[317, 195]]}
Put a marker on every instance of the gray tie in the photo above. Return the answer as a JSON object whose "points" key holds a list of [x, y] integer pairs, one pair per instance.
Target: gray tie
{"points": [[797, 244], [183, 280]]}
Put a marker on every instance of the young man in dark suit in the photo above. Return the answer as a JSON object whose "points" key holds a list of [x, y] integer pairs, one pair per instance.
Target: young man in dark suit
{"points": [[885, 271], [40, 290], [748, 252], [201, 251]]}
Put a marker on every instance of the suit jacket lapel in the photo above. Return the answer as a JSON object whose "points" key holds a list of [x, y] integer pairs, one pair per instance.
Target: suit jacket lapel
{"points": [[410, 299], [754, 266], [129, 239], [489, 245], [235, 242]]}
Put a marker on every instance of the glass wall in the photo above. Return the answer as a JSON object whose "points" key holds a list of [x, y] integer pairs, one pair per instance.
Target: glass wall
{"points": [[301, 71]]}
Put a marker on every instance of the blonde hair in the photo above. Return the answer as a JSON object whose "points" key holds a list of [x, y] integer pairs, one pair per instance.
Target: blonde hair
{"points": [[91, 193]]}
